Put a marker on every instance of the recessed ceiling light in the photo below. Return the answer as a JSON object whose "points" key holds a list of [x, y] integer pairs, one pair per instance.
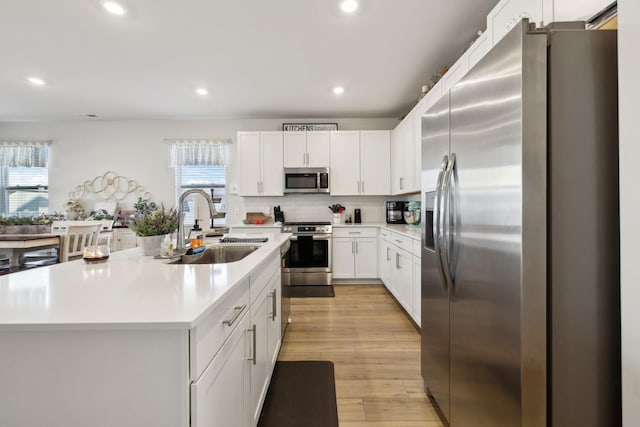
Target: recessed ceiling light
{"points": [[114, 8], [338, 90], [349, 6], [202, 91], [36, 81]]}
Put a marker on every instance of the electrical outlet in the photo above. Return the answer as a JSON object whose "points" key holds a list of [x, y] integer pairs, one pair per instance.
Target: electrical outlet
{"points": [[233, 189]]}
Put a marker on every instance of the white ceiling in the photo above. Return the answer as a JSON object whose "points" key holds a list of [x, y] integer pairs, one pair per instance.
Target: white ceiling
{"points": [[258, 58]]}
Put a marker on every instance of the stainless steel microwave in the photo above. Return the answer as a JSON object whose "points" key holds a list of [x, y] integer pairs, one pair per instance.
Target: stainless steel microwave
{"points": [[306, 180]]}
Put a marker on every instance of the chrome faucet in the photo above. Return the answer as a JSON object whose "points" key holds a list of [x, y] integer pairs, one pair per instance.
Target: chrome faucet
{"points": [[212, 211]]}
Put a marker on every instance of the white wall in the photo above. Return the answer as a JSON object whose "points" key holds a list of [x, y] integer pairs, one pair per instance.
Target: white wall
{"points": [[82, 150], [629, 91]]}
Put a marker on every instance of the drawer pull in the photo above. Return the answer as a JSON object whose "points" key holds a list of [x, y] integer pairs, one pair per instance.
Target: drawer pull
{"points": [[354, 232], [236, 313], [254, 342], [399, 241], [274, 306]]}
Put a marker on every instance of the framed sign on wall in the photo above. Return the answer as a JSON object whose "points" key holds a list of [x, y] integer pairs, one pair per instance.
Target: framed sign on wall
{"points": [[309, 126]]}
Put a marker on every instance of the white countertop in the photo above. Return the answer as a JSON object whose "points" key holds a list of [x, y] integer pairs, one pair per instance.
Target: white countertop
{"points": [[128, 291]]}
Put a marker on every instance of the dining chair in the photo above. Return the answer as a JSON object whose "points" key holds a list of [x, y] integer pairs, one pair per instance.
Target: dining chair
{"points": [[76, 238]]}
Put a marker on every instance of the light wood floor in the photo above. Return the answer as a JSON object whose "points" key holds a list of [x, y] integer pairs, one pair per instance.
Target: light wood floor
{"points": [[375, 350]]}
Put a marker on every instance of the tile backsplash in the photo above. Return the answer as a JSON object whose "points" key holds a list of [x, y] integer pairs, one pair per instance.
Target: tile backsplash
{"points": [[308, 207]]}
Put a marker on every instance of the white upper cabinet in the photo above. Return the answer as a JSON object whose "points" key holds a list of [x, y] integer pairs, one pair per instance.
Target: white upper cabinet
{"points": [[345, 163], [318, 149], [360, 163], [375, 152], [306, 149], [403, 163], [571, 10], [508, 13], [260, 167]]}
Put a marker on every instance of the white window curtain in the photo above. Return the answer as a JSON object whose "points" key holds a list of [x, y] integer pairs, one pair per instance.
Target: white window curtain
{"points": [[30, 154], [200, 152]]}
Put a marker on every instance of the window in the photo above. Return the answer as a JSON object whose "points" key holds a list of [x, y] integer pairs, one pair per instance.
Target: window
{"points": [[211, 179], [24, 191], [24, 178]]}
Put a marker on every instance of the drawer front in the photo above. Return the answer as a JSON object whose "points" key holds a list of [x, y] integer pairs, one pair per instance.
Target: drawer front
{"points": [[218, 397], [385, 234], [416, 248], [355, 232], [262, 275], [401, 241], [206, 338]]}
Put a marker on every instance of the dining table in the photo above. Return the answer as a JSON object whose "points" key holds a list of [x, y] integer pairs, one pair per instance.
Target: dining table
{"points": [[15, 245]]}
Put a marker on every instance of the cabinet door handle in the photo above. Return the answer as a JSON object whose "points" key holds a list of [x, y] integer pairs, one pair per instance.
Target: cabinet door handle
{"points": [[236, 313], [304, 158], [358, 186], [258, 186], [388, 257], [254, 342], [397, 261], [274, 305], [401, 187], [308, 159], [356, 247], [362, 191]]}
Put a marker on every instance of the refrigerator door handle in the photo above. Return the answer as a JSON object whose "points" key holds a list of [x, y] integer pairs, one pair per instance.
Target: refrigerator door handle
{"points": [[445, 221], [437, 213]]}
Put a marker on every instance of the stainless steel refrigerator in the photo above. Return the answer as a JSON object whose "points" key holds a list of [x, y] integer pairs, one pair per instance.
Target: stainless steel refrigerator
{"points": [[520, 256]]}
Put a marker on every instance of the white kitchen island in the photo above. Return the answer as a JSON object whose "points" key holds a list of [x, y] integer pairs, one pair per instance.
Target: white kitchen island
{"points": [[139, 342]]}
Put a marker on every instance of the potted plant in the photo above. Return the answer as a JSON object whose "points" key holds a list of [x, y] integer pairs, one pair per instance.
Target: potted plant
{"points": [[151, 224], [25, 224], [74, 209]]}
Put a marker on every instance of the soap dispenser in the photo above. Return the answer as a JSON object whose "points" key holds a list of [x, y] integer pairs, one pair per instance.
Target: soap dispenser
{"points": [[196, 236]]}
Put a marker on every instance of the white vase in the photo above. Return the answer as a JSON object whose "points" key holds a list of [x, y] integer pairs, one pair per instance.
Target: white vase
{"points": [[150, 245], [337, 218]]}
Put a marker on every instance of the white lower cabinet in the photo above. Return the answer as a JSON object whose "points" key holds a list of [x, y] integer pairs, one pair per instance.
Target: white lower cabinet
{"points": [[384, 260], [402, 278], [399, 259], [355, 253], [218, 398], [265, 343], [123, 238], [232, 388]]}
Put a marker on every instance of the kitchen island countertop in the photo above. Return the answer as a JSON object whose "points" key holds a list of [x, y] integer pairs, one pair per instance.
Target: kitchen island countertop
{"points": [[128, 291]]}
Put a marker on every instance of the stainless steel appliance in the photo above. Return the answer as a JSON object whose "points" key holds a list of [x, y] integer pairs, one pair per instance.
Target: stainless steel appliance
{"points": [[285, 300], [308, 261], [395, 212], [520, 257], [306, 180]]}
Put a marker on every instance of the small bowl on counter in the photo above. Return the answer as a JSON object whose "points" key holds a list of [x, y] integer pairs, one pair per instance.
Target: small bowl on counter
{"points": [[95, 254]]}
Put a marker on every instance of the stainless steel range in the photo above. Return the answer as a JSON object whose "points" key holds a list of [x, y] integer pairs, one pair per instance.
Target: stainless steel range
{"points": [[308, 261]]}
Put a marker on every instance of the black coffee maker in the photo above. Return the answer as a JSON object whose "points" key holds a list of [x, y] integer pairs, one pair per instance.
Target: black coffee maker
{"points": [[357, 216], [278, 215]]}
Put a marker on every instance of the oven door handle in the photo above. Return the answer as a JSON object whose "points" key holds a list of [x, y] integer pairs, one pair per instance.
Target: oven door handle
{"points": [[314, 237]]}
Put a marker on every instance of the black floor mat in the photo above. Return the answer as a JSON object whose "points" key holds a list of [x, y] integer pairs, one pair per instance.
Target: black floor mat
{"points": [[309, 291], [301, 394]]}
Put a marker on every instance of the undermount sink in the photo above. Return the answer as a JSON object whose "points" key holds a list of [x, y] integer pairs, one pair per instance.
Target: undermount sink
{"points": [[217, 255]]}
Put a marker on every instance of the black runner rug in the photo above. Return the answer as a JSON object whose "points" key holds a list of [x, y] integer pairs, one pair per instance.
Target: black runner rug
{"points": [[301, 394], [309, 291]]}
